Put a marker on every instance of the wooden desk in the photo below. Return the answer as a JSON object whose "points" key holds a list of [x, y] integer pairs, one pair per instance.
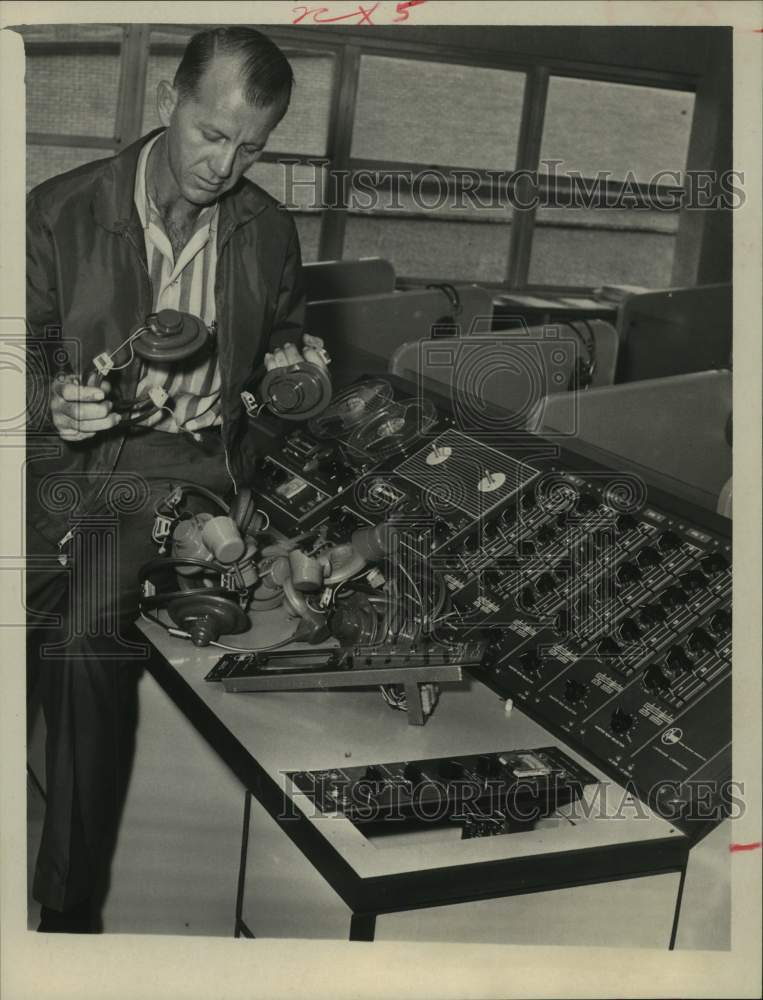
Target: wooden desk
{"points": [[263, 736]]}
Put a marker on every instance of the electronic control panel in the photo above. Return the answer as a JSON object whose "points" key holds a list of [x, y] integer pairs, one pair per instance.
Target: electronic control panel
{"points": [[605, 604], [486, 794]]}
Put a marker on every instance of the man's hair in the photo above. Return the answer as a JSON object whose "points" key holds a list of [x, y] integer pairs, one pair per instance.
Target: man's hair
{"points": [[265, 70]]}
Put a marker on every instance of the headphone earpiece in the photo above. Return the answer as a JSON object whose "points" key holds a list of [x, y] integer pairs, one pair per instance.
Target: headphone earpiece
{"points": [[299, 391], [242, 509], [205, 613]]}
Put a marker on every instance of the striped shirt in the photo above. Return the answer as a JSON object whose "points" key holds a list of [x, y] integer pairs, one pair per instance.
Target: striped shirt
{"points": [[187, 284]]}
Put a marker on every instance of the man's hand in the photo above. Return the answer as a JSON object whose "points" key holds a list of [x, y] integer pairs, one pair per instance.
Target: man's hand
{"points": [[80, 411], [290, 355]]}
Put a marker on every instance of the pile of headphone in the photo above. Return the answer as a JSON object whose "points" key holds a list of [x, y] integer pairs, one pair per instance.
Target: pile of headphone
{"points": [[216, 571]]}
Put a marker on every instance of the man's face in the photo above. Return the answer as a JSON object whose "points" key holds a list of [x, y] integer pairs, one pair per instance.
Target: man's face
{"points": [[215, 135]]}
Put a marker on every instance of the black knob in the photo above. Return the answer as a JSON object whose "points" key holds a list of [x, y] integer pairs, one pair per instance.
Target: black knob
{"points": [[527, 547], [545, 535], [487, 765], [491, 530], [628, 630], [365, 791], [621, 722], [492, 577], [508, 516], [413, 773], [628, 573], [655, 679], [714, 563], [673, 597], [648, 557], [700, 641], [608, 647], [668, 541], [530, 660], [527, 596], [471, 542], [692, 581], [440, 530], [678, 660], [651, 614], [492, 653], [545, 583], [626, 522], [720, 623], [574, 691]]}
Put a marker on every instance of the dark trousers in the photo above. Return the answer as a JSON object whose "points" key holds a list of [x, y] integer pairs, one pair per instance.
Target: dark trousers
{"points": [[85, 657]]}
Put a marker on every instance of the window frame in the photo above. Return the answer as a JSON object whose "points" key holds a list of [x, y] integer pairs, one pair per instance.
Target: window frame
{"points": [[347, 46]]}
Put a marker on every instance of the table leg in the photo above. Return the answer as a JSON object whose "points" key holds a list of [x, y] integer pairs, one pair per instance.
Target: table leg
{"points": [[242, 866], [362, 926], [677, 912], [415, 707]]}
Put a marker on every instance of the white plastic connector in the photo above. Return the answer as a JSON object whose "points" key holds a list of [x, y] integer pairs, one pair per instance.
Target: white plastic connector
{"points": [[103, 363], [158, 396], [162, 528], [250, 403], [325, 598]]}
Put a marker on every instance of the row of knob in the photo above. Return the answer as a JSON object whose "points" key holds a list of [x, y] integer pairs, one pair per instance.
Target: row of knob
{"points": [[493, 529], [701, 639], [620, 722], [678, 659]]}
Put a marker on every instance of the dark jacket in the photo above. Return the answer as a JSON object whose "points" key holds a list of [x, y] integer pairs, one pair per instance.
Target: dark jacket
{"points": [[88, 288]]}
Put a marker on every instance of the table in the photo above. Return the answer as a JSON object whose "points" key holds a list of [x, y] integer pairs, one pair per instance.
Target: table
{"points": [[263, 736]]}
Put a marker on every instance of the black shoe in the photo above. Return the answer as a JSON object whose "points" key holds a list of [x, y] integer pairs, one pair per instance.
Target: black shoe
{"points": [[75, 920]]}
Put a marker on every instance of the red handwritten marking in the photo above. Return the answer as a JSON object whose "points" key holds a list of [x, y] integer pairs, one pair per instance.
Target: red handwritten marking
{"points": [[404, 7], [365, 14], [754, 846], [323, 15]]}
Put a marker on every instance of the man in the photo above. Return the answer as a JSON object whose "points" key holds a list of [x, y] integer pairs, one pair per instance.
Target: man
{"points": [[169, 223]]}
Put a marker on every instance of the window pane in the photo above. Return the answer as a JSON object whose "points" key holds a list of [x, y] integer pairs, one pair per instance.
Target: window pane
{"points": [[304, 129], [603, 247], [431, 248], [73, 93], [43, 162], [72, 32], [593, 126], [299, 185], [309, 229], [437, 113]]}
